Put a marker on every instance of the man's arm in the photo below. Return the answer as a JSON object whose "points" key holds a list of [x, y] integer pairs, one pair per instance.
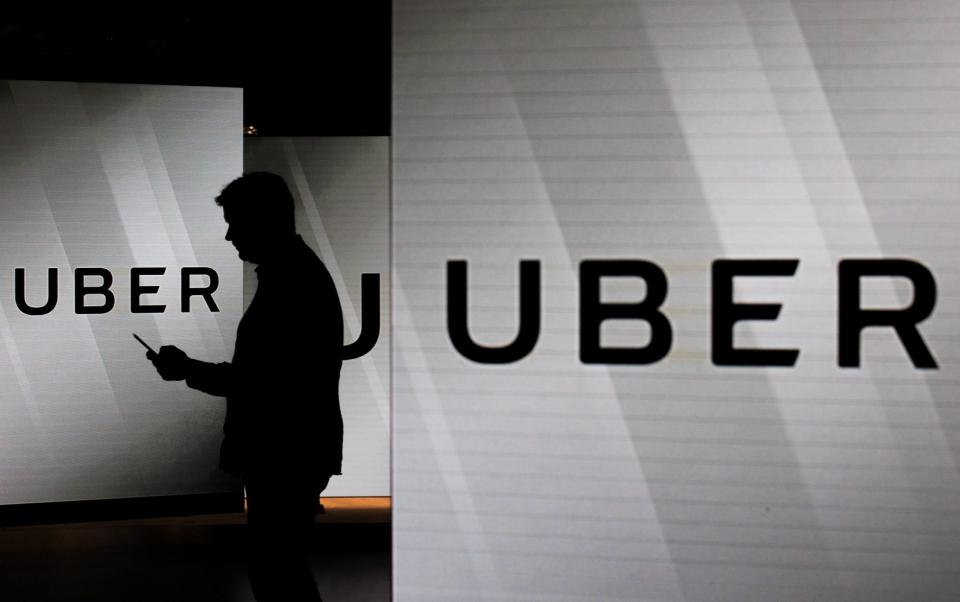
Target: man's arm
{"points": [[174, 364], [212, 379]]}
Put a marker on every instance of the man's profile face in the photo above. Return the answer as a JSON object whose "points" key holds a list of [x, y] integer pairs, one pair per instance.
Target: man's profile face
{"points": [[242, 232]]}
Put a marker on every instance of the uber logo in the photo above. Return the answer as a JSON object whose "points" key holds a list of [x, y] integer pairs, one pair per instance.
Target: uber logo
{"points": [[852, 319]]}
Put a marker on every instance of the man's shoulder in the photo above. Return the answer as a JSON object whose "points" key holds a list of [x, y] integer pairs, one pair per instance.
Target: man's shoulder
{"points": [[311, 273], [307, 260]]}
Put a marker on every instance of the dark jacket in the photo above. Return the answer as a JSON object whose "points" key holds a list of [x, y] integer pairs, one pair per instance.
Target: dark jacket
{"points": [[283, 407]]}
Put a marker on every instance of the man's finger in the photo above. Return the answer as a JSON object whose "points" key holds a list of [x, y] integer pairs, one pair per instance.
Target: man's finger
{"points": [[151, 356]]}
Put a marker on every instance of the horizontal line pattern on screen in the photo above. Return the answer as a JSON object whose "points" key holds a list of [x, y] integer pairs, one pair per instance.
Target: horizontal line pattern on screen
{"points": [[679, 133]]}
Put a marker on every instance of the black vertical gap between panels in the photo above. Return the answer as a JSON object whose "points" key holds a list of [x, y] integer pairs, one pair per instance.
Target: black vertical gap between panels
{"points": [[305, 71]]}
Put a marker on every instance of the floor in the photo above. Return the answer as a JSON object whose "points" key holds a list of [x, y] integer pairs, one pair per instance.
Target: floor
{"points": [[189, 558]]}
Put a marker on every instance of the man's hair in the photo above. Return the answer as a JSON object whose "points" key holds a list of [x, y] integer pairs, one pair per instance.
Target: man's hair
{"points": [[262, 194]]}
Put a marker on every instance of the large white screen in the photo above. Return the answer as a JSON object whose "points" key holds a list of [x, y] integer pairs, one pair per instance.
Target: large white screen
{"points": [[112, 176], [678, 132]]}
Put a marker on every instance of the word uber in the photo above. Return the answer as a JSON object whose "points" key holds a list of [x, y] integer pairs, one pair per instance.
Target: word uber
{"points": [[852, 319], [92, 294]]}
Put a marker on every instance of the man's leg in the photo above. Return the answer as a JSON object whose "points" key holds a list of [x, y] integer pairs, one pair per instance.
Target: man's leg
{"points": [[280, 515]]}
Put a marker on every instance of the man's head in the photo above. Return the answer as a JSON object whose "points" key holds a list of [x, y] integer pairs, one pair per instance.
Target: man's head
{"points": [[259, 212]]}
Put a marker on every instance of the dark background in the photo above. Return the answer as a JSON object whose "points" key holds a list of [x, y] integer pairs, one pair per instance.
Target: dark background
{"points": [[305, 72]]}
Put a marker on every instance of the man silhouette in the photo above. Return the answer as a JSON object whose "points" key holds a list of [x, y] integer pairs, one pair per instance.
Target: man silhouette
{"points": [[283, 432]]}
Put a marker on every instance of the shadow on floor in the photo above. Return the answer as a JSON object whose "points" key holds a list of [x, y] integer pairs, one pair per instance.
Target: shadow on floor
{"points": [[181, 559]]}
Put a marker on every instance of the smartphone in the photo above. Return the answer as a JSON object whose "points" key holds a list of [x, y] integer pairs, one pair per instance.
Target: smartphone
{"points": [[150, 349]]}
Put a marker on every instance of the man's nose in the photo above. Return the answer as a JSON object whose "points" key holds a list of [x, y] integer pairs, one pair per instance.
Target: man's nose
{"points": [[229, 235]]}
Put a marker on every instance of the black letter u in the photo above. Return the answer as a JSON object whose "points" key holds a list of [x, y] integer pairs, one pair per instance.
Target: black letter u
{"points": [[20, 294], [529, 329]]}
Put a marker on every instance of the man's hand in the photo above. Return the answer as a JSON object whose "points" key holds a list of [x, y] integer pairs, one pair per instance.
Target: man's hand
{"points": [[171, 362]]}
